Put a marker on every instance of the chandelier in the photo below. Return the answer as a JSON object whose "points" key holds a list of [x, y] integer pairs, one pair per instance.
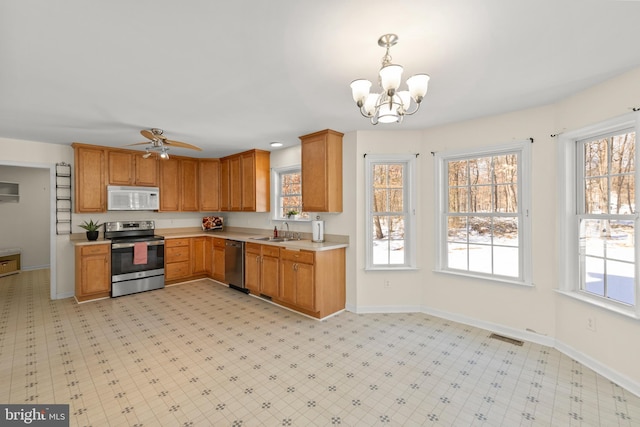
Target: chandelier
{"points": [[391, 105]]}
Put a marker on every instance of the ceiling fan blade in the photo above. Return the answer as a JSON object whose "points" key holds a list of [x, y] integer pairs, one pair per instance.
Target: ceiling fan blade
{"points": [[138, 143], [181, 144], [148, 134]]}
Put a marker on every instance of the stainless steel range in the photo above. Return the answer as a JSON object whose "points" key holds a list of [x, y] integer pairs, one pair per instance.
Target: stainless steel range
{"points": [[137, 257]]}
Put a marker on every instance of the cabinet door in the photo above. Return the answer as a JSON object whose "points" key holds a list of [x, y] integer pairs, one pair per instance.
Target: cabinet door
{"points": [[225, 183], [287, 291], [209, 185], [248, 181], [321, 167], [120, 168], [218, 259], [169, 185], [93, 271], [198, 255], [89, 180], [146, 171], [235, 184], [270, 276], [305, 286], [252, 270], [189, 185]]}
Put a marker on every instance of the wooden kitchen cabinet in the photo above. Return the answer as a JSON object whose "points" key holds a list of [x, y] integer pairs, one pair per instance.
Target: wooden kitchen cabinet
{"points": [[218, 259], [245, 182], [321, 168], [130, 168], [209, 185], [92, 271], [90, 188], [312, 282], [199, 255], [262, 269], [178, 185], [177, 259]]}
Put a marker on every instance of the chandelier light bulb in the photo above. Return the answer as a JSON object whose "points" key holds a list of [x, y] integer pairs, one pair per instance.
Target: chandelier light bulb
{"points": [[391, 77], [360, 90], [418, 86]]}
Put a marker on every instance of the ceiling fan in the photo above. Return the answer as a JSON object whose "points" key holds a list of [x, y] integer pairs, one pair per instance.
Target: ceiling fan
{"points": [[160, 143]]}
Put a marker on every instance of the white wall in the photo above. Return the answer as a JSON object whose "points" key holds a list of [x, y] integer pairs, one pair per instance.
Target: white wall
{"points": [[26, 224]]}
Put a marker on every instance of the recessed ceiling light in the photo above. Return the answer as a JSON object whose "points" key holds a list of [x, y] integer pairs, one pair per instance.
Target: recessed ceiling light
{"points": [[276, 144]]}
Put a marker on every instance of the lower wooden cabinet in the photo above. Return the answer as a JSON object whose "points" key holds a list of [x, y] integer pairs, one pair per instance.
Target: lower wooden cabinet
{"points": [[93, 271], [218, 259], [262, 269], [177, 259], [199, 253], [312, 282]]}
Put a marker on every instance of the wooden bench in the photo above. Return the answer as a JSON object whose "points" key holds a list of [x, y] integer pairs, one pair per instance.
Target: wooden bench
{"points": [[9, 261]]}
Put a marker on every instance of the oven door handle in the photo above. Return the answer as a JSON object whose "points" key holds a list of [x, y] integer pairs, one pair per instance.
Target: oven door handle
{"points": [[130, 245]]}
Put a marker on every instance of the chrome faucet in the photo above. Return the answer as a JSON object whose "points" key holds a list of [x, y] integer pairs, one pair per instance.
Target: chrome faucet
{"points": [[286, 235]]}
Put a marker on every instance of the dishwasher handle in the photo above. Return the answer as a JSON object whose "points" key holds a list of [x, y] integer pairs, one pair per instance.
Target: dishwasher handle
{"points": [[234, 244]]}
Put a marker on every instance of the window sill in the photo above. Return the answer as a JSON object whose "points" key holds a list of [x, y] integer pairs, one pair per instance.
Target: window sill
{"points": [[613, 307], [292, 220], [504, 280], [402, 268]]}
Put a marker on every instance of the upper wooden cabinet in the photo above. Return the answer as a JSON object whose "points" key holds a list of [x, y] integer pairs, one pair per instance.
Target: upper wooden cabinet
{"points": [[209, 185], [90, 188], [321, 155], [178, 184], [130, 168], [245, 182]]}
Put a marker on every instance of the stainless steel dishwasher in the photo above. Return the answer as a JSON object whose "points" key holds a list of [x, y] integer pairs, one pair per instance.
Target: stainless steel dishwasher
{"points": [[234, 265]]}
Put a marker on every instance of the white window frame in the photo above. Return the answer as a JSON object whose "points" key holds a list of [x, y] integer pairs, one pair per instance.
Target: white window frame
{"points": [[409, 197], [276, 192], [569, 214], [523, 149]]}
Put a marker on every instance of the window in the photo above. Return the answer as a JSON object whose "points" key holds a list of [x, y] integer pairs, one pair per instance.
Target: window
{"points": [[288, 193], [390, 213], [483, 222], [600, 256]]}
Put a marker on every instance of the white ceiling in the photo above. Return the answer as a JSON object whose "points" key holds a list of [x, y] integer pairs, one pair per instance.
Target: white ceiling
{"points": [[233, 75]]}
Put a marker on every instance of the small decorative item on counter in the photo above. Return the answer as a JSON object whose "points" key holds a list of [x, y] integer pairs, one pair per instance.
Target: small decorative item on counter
{"points": [[293, 214], [92, 229], [275, 231], [210, 223]]}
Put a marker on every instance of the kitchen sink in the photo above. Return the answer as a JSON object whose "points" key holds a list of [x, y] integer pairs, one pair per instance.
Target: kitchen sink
{"points": [[272, 239]]}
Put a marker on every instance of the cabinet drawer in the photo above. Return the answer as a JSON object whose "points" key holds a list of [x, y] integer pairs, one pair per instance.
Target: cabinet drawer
{"points": [[219, 243], [177, 270], [8, 266], [297, 256], [180, 253], [94, 250], [173, 243], [254, 248], [273, 251]]}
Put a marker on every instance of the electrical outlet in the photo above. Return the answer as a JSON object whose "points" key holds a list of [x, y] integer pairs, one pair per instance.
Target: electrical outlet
{"points": [[591, 323], [387, 284]]}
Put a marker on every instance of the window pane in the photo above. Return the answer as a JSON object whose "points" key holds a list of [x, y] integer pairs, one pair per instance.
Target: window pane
{"points": [[480, 229], [594, 275], [623, 153], [505, 261], [457, 173], [596, 195], [396, 201], [388, 240], [380, 174], [620, 241], [591, 233], [620, 281], [481, 199], [480, 258], [505, 231], [480, 171], [457, 229], [380, 200], [595, 158], [623, 199], [506, 198], [457, 256], [505, 169], [396, 176], [458, 199]]}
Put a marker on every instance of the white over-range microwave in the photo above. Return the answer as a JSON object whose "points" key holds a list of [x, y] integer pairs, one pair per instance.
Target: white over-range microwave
{"points": [[120, 198]]}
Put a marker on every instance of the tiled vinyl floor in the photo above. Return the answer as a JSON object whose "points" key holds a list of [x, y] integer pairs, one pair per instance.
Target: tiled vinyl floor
{"points": [[200, 354]]}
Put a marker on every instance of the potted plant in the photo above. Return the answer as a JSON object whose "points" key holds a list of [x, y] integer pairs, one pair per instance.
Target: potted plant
{"points": [[292, 214], [92, 229]]}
